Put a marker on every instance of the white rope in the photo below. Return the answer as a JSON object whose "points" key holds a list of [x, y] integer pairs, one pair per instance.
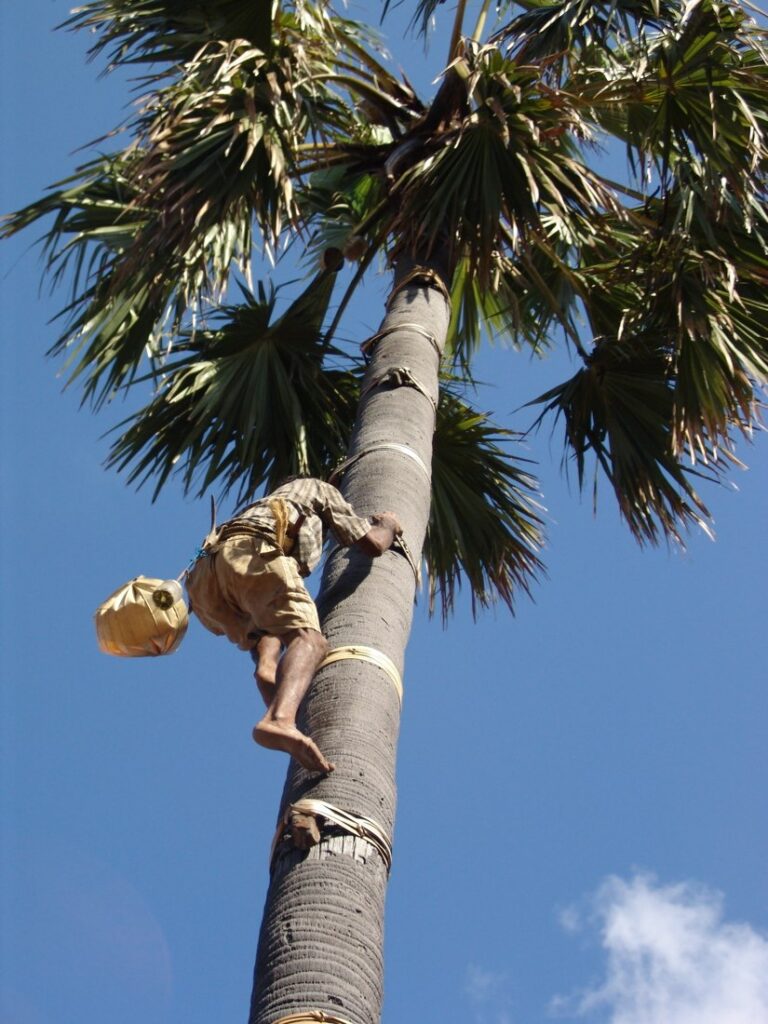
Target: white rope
{"points": [[392, 446], [311, 1017], [359, 652], [367, 345], [399, 376], [353, 824]]}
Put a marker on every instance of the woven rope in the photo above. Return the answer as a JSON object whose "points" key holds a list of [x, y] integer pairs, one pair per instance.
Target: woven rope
{"points": [[399, 544], [399, 376], [367, 345], [311, 1017], [422, 274], [359, 652], [353, 824], [390, 446]]}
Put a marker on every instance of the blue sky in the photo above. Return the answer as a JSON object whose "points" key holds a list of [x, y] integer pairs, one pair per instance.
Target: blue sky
{"points": [[581, 832]]}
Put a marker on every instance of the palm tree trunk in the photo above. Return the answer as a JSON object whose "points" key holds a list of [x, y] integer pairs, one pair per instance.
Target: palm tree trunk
{"points": [[321, 938]]}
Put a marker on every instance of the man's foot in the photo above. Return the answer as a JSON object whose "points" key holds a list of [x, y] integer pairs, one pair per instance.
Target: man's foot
{"points": [[279, 736]]}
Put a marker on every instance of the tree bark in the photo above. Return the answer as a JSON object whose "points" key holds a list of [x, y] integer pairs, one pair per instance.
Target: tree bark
{"points": [[320, 946]]}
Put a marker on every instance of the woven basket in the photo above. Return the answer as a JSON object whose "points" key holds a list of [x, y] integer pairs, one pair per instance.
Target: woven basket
{"points": [[143, 618]]}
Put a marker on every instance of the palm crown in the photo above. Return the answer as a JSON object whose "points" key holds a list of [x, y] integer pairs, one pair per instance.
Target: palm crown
{"points": [[261, 126]]}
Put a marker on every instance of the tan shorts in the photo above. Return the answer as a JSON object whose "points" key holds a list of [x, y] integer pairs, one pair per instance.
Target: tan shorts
{"points": [[246, 588]]}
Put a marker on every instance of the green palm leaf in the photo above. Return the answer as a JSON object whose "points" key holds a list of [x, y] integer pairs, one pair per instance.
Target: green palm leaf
{"points": [[563, 34], [109, 330], [148, 31], [155, 232], [524, 298], [485, 523], [245, 403], [509, 190], [694, 92], [620, 408], [680, 358]]}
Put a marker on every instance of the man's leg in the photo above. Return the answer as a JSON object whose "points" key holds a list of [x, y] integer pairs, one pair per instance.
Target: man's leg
{"points": [[266, 654], [305, 649]]}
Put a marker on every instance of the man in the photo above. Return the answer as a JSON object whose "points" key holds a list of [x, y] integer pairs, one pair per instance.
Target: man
{"points": [[247, 585]]}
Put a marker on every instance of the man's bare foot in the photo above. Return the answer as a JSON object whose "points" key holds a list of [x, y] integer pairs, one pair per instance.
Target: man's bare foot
{"points": [[279, 736]]}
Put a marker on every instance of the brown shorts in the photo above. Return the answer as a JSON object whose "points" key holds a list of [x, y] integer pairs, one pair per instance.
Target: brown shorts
{"points": [[245, 588]]}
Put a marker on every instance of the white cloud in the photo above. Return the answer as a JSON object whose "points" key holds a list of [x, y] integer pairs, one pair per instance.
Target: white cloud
{"points": [[488, 991], [671, 958]]}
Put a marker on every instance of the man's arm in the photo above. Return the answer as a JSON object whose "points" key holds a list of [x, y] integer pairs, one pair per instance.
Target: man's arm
{"points": [[381, 536], [373, 535]]}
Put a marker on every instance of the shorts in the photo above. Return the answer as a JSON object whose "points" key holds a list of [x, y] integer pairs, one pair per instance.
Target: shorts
{"points": [[246, 588]]}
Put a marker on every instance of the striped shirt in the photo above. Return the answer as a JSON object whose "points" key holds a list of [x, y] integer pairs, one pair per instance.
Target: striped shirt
{"points": [[313, 505]]}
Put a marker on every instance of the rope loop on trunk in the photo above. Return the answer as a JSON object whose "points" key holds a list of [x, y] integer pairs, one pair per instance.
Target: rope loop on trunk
{"points": [[359, 652], [426, 275], [353, 824], [368, 345], [311, 1017], [390, 446], [399, 376], [400, 545]]}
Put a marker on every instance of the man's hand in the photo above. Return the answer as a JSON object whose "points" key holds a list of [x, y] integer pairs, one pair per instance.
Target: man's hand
{"points": [[380, 537]]}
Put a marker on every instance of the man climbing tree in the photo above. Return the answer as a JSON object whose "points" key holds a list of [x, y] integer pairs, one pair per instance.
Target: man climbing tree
{"points": [[246, 584]]}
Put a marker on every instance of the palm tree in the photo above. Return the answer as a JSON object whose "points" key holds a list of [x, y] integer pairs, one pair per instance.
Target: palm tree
{"points": [[267, 124]]}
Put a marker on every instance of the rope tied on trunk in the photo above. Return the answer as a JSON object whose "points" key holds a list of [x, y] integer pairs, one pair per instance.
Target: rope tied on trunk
{"points": [[400, 545], [368, 345], [312, 1017], [425, 275], [358, 652], [398, 377], [353, 824], [391, 446]]}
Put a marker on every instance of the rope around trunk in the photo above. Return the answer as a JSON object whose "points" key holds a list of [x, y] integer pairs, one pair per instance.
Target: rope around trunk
{"points": [[426, 275], [399, 376], [311, 1017], [391, 446], [367, 345], [353, 824], [361, 653]]}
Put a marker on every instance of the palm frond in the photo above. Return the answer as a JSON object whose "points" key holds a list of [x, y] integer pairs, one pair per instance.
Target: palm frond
{"points": [[422, 15], [485, 526], [152, 31], [108, 331], [217, 148], [510, 173], [680, 359], [694, 95], [561, 34], [620, 408], [525, 297], [95, 217], [246, 403], [154, 232], [509, 191], [172, 32]]}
